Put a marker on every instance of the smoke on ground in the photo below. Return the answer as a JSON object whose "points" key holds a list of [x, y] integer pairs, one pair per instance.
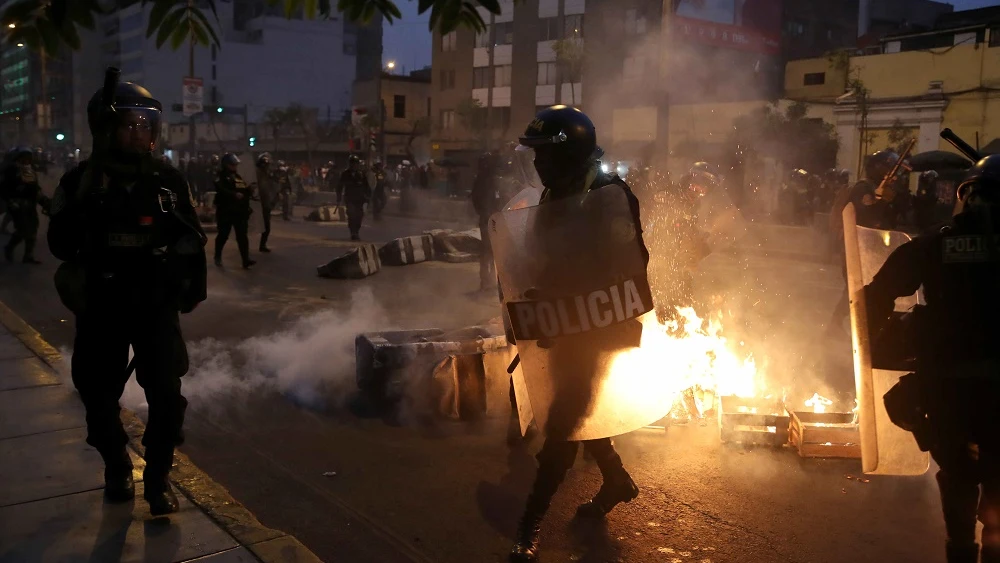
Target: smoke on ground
{"points": [[311, 360]]}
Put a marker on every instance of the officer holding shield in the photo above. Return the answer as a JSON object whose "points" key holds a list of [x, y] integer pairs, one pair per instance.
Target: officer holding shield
{"points": [[560, 145], [952, 402]]}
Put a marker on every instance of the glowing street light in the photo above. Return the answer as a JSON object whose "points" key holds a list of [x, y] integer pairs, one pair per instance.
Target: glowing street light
{"points": [[20, 44], [390, 65], [60, 137], [12, 26]]}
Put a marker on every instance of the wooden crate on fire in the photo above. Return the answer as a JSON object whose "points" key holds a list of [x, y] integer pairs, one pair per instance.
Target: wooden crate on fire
{"points": [[752, 421], [825, 434]]}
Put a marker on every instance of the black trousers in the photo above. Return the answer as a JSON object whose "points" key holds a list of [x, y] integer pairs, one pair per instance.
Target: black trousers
{"points": [[355, 215], [266, 212], [100, 357], [25, 230], [239, 223]]}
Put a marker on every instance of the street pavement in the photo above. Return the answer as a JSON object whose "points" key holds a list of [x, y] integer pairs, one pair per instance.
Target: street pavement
{"points": [[357, 489]]}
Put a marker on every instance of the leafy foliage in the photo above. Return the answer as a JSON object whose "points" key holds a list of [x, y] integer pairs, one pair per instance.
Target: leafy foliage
{"points": [[789, 136], [45, 25]]}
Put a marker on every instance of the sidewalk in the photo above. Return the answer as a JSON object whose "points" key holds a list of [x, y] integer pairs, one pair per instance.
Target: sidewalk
{"points": [[51, 498]]}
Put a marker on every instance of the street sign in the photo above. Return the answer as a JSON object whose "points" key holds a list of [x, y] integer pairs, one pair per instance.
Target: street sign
{"points": [[193, 95]]}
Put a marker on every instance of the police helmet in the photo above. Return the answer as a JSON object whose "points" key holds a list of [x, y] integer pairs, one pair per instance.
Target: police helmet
{"points": [[135, 110], [229, 159], [981, 185], [879, 164], [929, 176], [264, 159], [353, 159], [564, 142], [215, 159]]}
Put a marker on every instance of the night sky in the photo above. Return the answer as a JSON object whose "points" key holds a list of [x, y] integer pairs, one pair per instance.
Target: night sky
{"points": [[408, 43]]}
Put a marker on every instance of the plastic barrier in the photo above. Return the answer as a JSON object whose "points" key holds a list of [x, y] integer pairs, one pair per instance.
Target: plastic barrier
{"points": [[360, 262], [407, 250]]}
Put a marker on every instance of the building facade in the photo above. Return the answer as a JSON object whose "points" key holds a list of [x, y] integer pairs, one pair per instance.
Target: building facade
{"points": [[406, 111], [265, 62]]}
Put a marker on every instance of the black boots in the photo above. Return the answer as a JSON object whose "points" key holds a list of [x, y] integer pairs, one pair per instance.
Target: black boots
{"points": [[158, 493], [525, 548], [118, 483], [962, 553], [619, 489], [264, 249], [248, 263]]}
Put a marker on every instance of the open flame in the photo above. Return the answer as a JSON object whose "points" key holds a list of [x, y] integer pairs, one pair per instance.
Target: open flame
{"points": [[688, 359], [818, 403]]}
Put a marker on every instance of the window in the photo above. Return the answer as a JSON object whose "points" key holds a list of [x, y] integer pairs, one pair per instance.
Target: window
{"points": [[481, 77], [483, 39], [794, 28], [500, 118], [213, 53], [504, 33], [213, 72], [447, 119], [548, 29], [633, 68], [428, 107], [449, 41], [501, 76], [573, 26], [447, 79], [814, 78], [635, 22], [399, 106], [995, 37], [546, 73]]}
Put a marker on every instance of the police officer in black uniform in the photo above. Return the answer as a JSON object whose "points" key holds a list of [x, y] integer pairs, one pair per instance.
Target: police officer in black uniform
{"points": [[379, 195], [20, 191], [284, 178], [354, 191], [952, 401], [874, 210], [486, 201], [566, 160], [232, 204], [267, 190], [124, 226]]}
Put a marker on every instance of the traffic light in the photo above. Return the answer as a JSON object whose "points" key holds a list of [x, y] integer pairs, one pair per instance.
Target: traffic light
{"points": [[218, 109], [253, 141], [60, 137]]}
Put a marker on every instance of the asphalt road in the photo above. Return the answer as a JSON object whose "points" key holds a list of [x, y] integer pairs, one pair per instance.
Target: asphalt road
{"points": [[272, 355]]}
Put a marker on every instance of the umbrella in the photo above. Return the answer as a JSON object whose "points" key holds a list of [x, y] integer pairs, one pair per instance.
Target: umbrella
{"points": [[938, 161]]}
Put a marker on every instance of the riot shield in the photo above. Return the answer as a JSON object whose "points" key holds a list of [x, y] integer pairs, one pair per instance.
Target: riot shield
{"points": [[574, 286], [886, 449], [247, 169]]}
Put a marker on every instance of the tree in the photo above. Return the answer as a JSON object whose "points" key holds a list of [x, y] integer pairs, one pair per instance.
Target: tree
{"points": [[51, 23], [472, 114], [570, 58], [899, 136], [790, 137]]}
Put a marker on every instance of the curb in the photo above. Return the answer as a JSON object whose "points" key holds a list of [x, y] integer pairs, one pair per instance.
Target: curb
{"points": [[268, 545]]}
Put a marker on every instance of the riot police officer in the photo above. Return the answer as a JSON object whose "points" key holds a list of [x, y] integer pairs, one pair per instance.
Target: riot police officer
{"points": [[20, 191], [952, 402], [267, 190], [874, 210], [232, 204], [564, 143], [354, 191], [284, 179], [133, 252], [486, 201], [379, 196]]}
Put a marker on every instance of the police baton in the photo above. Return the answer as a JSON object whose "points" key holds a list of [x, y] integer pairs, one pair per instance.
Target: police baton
{"points": [[961, 145]]}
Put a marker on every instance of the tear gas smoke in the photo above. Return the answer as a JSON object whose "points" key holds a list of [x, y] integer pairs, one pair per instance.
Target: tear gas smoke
{"points": [[311, 360]]}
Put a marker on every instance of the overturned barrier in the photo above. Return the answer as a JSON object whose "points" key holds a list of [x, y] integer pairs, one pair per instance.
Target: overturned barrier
{"points": [[456, 246], [459, 375], [359, 262], [327, 214], [407, 250]]}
